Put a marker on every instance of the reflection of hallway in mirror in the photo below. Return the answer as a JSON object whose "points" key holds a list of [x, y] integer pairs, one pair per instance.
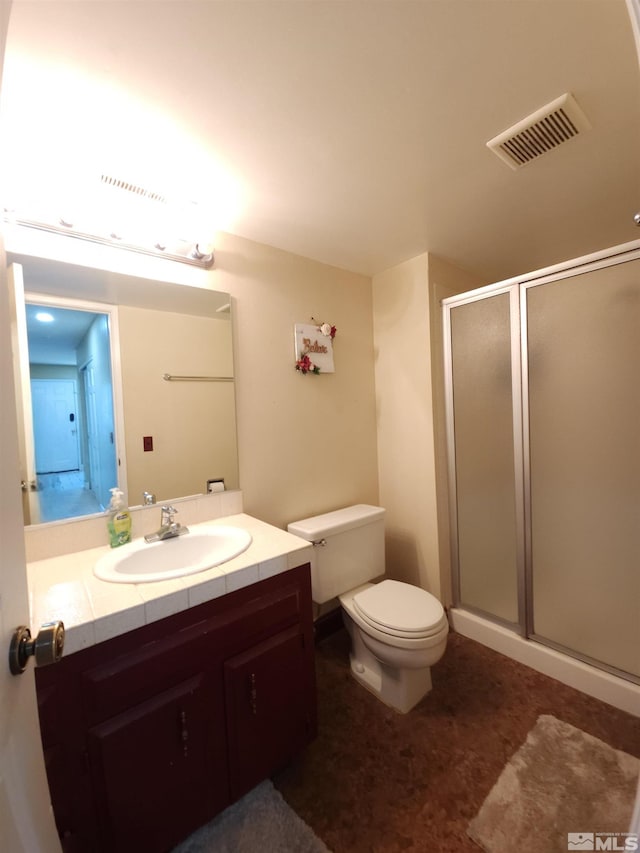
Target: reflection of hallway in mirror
{"points": [[63, 495]]}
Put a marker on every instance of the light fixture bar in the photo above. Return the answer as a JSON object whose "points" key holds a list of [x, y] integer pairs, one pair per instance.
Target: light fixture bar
{"points": [[194, 257]]}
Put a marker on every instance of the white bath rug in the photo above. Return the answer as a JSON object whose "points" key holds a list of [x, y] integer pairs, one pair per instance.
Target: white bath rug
{"points": [[562, 790], [261, 821]]}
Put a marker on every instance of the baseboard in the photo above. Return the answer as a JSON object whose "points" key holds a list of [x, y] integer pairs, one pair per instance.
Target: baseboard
{"points": [[328, 624]]}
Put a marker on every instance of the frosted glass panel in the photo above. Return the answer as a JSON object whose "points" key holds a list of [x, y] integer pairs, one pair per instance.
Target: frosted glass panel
{"points": [[584, 396], [483, 423]]}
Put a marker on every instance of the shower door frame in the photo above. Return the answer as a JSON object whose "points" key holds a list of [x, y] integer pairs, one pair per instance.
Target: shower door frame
{"points": [[518, 288], [512, 289]]}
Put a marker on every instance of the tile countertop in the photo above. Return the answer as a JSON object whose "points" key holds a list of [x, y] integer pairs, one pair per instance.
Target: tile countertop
{"points": [[94, 610]]}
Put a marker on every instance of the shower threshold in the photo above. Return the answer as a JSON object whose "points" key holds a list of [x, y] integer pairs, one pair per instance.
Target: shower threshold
{"points": [[602, 685]]}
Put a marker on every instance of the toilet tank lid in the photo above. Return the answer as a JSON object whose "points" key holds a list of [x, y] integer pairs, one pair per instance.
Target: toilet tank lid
{"points": [[330, 523]]}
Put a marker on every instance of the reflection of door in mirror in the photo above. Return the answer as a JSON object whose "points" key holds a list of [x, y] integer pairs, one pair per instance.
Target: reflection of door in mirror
{"points": [[72, 408], [98, 407], [55, 433]]}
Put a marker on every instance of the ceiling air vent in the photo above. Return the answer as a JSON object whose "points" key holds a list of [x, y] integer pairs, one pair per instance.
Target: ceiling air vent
{"points": [[544, 130], [119, 184]]}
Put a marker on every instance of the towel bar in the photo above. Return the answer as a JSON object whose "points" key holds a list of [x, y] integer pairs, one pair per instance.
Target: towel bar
{"points": [[169, 378]]}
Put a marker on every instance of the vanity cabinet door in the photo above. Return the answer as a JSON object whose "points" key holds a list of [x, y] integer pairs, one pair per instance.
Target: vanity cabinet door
{"points": [[153, 771], [62, 731], [269, 713], [70, 789], [149, 735]]}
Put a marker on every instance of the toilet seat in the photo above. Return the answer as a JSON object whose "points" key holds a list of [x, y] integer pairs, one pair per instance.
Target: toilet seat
{"points": [[400, 610]]}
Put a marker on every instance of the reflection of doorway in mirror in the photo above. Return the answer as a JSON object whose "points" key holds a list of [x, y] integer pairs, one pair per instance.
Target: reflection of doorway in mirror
{"points": [[73, 413]]}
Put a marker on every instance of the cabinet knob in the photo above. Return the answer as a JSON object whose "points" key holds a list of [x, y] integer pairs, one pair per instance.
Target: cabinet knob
{"points": [[47, 647]]}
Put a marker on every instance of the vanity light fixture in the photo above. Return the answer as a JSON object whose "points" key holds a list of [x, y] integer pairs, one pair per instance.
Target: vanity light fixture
{"points": [[203, 252], [184, 251], [114, 212]]}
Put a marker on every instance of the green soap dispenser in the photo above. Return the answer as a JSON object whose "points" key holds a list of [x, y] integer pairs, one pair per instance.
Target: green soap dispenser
{"points": [[119, 521]]}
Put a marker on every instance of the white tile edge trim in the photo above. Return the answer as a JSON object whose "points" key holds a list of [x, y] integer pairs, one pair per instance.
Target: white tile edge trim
{"points": [[622, 694]]}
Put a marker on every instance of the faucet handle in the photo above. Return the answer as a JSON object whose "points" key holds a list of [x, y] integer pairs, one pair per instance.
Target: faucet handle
{"points": [[168, 513], [148, 498]]}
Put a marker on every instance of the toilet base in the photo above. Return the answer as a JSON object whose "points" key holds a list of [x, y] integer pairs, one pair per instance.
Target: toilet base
{"points": [[400, 689]]}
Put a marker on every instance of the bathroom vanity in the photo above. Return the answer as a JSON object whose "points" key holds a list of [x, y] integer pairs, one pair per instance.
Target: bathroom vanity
{"points": [[150, 733]]}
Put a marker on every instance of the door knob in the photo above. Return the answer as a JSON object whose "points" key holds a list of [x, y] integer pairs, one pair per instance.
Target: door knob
{"points": [[46, 647]]}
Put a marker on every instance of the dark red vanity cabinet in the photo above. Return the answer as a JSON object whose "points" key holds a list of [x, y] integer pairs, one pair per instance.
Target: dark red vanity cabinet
{"points": [[149, 735], [152, 774], [268, 719]]}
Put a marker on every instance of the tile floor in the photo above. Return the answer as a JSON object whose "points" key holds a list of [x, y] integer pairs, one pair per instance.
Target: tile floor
{"points": [[64, 495], [375, 781]]}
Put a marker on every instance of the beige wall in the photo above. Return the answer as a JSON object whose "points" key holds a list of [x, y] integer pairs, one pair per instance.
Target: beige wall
{"points": [[445, 280], [307, 444], [405, 440], [408, 388]]}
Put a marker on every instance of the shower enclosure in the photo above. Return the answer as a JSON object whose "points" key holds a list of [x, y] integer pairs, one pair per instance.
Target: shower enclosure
{"points": [[543, 432]]}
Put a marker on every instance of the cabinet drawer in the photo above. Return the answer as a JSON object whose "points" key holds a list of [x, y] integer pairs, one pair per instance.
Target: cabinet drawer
{"points": [[131, 678], [140, 672], [258, 618]]}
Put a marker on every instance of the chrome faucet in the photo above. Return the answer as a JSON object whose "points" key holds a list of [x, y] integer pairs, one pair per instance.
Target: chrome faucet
{"points": [[169, 527]]}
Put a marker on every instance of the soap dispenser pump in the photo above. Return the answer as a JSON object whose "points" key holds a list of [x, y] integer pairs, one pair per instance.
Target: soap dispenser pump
{"points": [[119, 520]]}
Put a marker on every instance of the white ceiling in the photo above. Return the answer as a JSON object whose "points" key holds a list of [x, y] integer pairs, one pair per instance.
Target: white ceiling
{"points": [[56, 342], [351, 132]]}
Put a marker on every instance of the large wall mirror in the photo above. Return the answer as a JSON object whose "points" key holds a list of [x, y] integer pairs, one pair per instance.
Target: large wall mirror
{"points": [[129, 383]]}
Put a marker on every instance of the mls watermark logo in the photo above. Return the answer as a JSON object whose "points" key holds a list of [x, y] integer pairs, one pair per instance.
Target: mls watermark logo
{"points": [[580, 841], [627, 842]]}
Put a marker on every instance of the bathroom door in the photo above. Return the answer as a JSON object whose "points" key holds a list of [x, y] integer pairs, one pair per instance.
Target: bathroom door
{"points": [[26, 822], [17, 320]]}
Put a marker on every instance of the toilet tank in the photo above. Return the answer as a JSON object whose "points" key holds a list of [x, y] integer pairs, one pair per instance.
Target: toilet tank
{"points": [[352, 552]]}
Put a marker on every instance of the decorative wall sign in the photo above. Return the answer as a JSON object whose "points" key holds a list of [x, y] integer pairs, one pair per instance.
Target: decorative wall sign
{"points": [[314, 347]]}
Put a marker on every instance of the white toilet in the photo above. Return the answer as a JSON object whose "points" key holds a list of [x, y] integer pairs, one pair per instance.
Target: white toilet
{"points": [[398, 631]]}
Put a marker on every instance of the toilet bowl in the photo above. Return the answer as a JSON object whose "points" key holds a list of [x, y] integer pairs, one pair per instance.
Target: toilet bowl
{"points": [[398, 631]]}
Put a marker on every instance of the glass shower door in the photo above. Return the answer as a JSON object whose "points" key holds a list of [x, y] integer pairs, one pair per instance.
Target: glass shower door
{"points": [[481, 418], [584, 463]]}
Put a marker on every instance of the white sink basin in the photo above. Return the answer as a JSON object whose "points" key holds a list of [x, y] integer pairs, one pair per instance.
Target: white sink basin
{"points": [[200, 549]]}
